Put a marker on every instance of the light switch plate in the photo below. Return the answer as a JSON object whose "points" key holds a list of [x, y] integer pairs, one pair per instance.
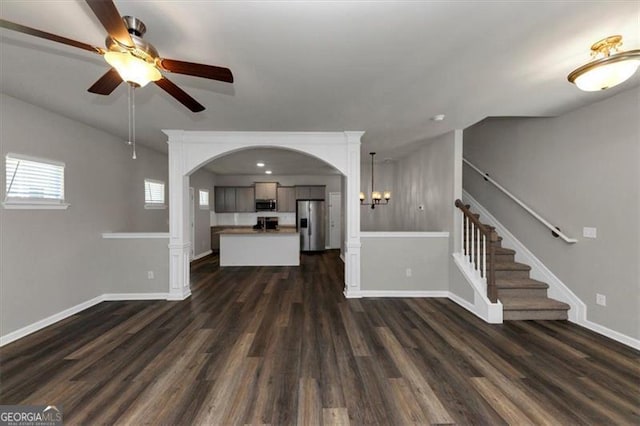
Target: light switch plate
{"points": [[588, 232], [601, 299]]}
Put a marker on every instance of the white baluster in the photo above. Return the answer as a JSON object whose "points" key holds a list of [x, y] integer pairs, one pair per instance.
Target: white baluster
{"points": [[473, 245], [467, 247], [462, 233], [478, 260], [484, 257]]}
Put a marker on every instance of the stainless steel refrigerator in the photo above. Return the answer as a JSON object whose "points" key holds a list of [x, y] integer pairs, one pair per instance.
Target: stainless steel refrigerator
{"points": [[310, 224]]}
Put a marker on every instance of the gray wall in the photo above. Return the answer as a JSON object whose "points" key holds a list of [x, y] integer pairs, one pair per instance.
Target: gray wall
{"points": [[127, 261], [385, 261], [202, 179], [579, 169], [424, 177], [49, 258], [149, 165]]}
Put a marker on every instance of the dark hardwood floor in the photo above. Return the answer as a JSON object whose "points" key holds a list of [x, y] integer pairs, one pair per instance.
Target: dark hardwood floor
{"points": [[281, 345]]}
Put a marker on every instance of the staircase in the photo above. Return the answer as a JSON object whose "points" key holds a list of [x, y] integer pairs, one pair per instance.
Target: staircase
{"points": [[522, 298]]}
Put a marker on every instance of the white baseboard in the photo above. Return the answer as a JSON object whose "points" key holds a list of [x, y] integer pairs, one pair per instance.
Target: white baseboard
{"points": [[396, 293], [177, 296], [612, 334], [39, 325], [462, 302], [557, 289], [201, 255], [135, 296]]}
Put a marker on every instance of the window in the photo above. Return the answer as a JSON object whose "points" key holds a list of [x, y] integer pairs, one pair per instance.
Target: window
{"points": [[204, 199], [154, 194], [32, 183]]}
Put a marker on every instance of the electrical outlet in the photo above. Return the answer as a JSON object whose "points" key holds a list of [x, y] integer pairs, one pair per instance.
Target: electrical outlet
{"points": [[150, 275], [408, 272], [588, 232], [601, 299]]}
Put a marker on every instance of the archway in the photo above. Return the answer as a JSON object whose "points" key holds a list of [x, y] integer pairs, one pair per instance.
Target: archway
{"points": [[188, 150]]}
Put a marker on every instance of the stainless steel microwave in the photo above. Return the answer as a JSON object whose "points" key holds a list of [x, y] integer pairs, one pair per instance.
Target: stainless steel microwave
{"points": [[265, 205]]}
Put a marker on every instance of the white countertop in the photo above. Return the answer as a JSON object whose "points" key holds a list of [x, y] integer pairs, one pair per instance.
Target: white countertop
{"points": [[251, 231]]}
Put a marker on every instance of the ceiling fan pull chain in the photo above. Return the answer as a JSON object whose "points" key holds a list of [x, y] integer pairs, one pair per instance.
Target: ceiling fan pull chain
{"points": [[129, 112], [133, 118]]}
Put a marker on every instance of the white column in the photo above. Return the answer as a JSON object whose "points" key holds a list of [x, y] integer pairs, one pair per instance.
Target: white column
{"points": [[179, 244], [352, 206]]}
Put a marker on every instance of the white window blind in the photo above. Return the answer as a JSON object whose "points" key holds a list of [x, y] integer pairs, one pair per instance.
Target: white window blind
{"points": [[33, 180], [204, 198], [153, 192]]}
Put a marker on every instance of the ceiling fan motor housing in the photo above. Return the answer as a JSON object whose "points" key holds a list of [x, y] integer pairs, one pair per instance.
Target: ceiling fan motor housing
{"points": [[142, 49]]}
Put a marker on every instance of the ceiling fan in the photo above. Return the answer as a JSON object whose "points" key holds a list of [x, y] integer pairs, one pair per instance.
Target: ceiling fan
{"points": [[132, 59]]}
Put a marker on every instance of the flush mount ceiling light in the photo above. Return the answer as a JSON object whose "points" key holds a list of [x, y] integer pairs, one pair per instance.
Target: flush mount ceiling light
{"points": [[268, 172], [260, 164], [376, 196], [610, 68]]}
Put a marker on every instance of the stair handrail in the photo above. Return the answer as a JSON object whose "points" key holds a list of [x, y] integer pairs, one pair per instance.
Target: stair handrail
{"points": [[554, 230], [476, 253]]}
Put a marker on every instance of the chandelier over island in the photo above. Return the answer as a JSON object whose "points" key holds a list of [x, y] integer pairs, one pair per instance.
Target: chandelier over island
{"points": [[376, 196]]}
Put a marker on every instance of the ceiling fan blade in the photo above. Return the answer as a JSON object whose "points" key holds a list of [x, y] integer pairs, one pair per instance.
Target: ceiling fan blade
{"points": [[48, 36], [107, 83], [180, 95], [198, 70], [110, 18]]}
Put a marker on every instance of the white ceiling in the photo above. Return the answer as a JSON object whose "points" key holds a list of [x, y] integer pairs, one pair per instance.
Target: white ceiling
{"points": [[279, 161], [381, 67]]}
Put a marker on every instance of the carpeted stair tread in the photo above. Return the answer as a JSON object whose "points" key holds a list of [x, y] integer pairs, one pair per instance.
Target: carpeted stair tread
{"points": [[532, 303], [520, 283], [511, 266], [502, 250]]}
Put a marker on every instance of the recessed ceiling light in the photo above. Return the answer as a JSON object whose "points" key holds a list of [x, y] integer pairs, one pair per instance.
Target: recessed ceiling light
{"points": [[268, 172], [438, 117], [260, 164]]}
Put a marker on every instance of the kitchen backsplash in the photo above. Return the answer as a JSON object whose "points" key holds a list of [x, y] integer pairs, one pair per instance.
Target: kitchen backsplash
{"points": [[250, 219]]}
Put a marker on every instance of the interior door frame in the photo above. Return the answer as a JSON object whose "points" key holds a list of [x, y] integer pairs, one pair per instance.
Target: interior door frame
{"points": [[332, 212]]}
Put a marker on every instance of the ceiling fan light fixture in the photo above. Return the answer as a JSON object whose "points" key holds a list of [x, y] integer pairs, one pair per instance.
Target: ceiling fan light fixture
{"points": [[132, 69], [608, 70]]}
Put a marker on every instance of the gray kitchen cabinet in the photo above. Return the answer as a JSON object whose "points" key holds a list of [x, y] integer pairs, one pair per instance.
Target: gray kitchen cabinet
{"points": [[266, 190], [286, 199], [310, 192], [218, 201], [229, 199], [245, 199], [225, 199]]}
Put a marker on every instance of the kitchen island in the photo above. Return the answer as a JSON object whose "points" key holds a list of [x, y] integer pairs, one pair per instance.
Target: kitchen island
{"points": [[252, 247]]}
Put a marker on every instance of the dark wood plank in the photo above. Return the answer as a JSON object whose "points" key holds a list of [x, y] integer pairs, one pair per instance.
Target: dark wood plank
{"points": [[281, 345]]}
